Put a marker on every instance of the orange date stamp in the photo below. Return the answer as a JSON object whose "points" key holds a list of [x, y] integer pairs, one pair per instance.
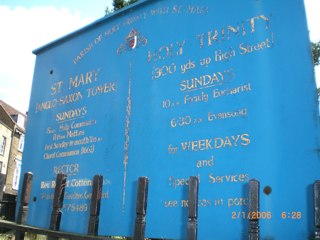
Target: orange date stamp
{"points": [[257, 215], [251, 215]]}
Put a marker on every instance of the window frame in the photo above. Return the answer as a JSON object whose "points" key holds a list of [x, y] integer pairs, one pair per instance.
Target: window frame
{"points": [[3, 144], [21, 142], [16, 174]]}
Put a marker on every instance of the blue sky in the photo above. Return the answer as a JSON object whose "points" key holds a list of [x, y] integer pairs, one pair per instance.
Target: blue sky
{"points": [[29, 24]]}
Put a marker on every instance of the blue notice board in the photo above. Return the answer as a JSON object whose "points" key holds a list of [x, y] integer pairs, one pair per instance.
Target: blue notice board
{"points": [[222, 90]]}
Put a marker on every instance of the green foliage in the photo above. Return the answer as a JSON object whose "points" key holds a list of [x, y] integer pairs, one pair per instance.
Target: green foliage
{"points": [[316, 57], [118, 4], [316, 52], [108, 11], [132, 1]]}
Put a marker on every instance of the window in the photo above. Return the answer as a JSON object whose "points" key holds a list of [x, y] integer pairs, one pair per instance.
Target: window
{"points": [[16, 175], [20, 121], [21, 143], [3, 141]]}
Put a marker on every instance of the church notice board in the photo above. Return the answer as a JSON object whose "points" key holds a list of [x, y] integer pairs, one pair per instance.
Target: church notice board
{"points": [[221, 90]]}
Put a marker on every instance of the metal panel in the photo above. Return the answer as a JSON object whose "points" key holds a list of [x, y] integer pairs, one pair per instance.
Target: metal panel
{"points": [[221, 90]]}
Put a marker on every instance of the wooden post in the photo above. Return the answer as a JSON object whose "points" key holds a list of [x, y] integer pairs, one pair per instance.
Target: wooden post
{"points": [[193, 208], [24, 203], [93, 224], [141, 208], [254, 207], [316, 196], [57, 202]]}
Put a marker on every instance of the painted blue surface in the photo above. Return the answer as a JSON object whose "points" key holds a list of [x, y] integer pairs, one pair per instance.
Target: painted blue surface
{"points": [[265, 126]]}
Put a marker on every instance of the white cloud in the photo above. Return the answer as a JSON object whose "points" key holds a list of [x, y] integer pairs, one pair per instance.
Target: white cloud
{"points": [[317, 74], [23, 30], [313, 16]]}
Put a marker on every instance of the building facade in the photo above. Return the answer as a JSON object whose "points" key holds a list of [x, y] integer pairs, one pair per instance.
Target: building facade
{"points": [[6, 132], [12, 133]]}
